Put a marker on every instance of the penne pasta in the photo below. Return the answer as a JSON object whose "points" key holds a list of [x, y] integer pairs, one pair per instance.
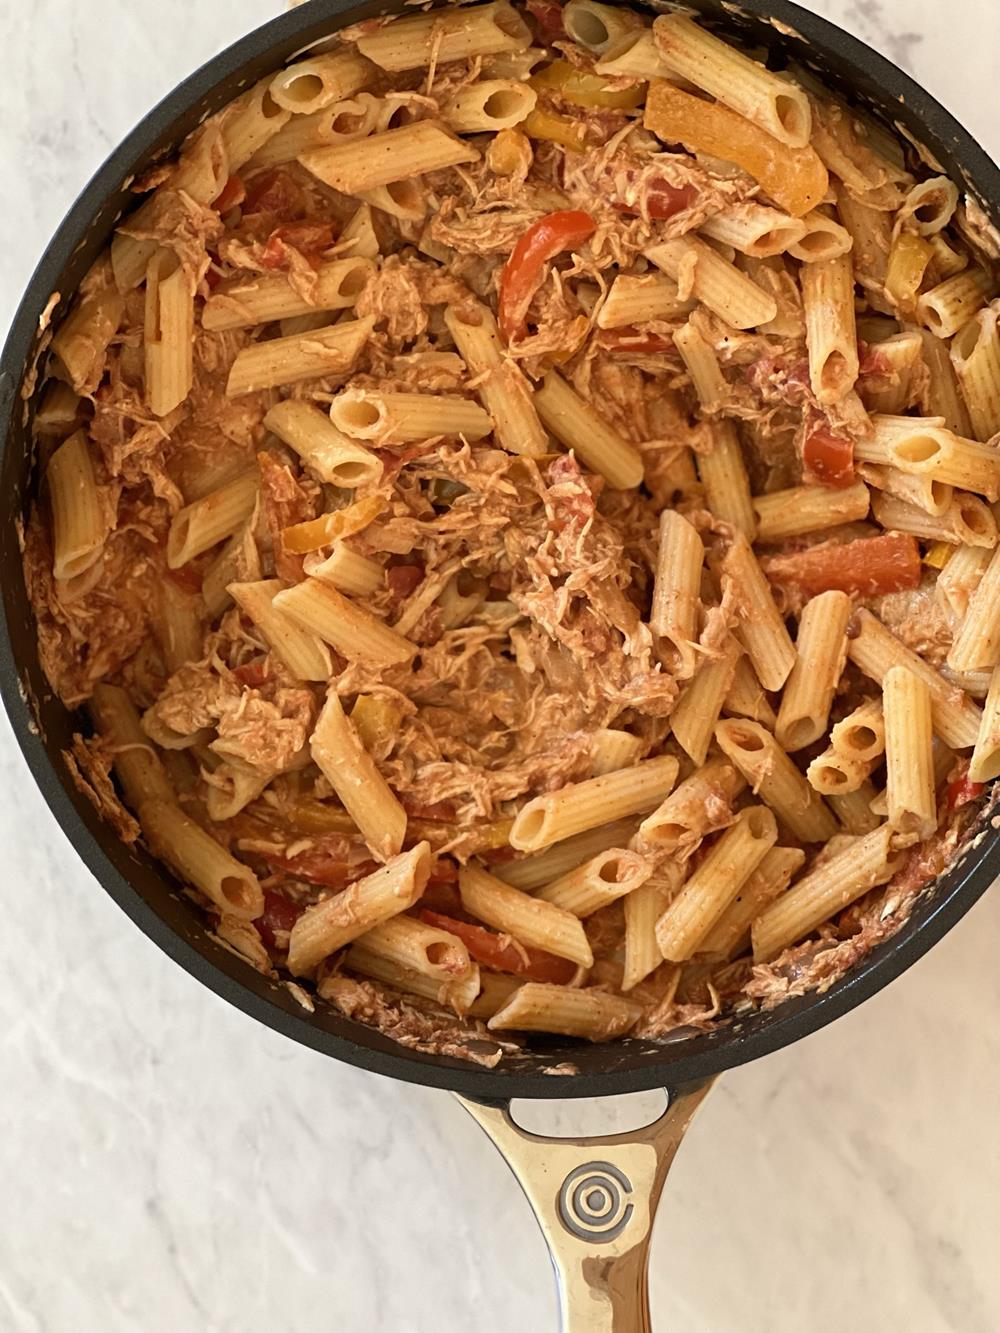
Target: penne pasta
{"points": [[503, 390], [578, 426], [199, 526], [831, 335], [975, 355], [703, 273], [820, 656], [731, 933], [239, 303], [636, 300], [584, 805], [313, 355], [531, 872], [360, 165], [592, 1015], [952, 303], [397, 418], [354, 632], [967, 521], [723, 474], [800, 509], [305, 656], [459, 34], [697, 710], [676, 590], [327, 926], [199, 860], [910, 791], [530, 921], [985, 763], [977, 643], [79, 528], [325, 450], [309, 85], [761, 628], [598, 882], [774, 777]]}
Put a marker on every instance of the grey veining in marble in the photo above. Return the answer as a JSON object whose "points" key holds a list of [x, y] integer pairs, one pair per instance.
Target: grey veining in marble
{"points": [[168, 1166]]}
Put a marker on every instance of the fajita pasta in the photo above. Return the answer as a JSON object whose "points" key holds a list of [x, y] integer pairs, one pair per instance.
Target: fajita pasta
{"points": [[518, 507]]}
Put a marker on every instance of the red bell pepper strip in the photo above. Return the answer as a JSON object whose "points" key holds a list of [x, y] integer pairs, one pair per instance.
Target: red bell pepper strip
{"points": [[868, 567], [523, 272], [827, 457], [488, 948]]}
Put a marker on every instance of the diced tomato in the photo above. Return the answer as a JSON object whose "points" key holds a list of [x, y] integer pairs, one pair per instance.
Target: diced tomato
{"points": [[233, 194], [630, 339], [253, 674], [328, 861], [489, 948], [867, 567], [962, 791], [212, 278], [402, 580], [522, 274], [827, 458], [663, 200], [187, 577], [548, 20], [275, 192], [280, 914], [310, 239]]}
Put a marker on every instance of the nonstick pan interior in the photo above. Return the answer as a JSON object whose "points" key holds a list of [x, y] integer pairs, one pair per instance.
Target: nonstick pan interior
{"points": [[44, 729]]}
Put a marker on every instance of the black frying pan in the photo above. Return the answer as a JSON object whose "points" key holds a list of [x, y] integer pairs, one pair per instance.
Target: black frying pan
{"points": [[596, 1214]]}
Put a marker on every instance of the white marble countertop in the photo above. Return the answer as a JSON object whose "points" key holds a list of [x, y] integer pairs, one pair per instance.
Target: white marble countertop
{"points": [[169, 1166]]}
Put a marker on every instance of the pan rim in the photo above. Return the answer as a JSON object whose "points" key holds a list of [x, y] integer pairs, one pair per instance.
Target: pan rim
{"points": [[682, 1062]]}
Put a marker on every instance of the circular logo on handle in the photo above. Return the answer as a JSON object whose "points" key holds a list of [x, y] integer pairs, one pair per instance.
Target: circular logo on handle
{"points": [[594, 1202]]}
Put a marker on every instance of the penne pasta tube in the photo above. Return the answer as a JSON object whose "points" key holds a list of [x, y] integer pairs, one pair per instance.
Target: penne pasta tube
{"points": [[975, 356], [168, 332], [343, 760], [642, 909], [714, 885], [977, 644], [596, 26], [532, 872], [603, 879], [755, 230], [795, 178], [874, 650], [746, 698], [596, 801], [458, 995], [941, 396], [352, 118], [861, 735], [325, 450], [731, 932], [854, 809], [761, 628], [700, 805], [775, 778], [613, 750], [592, 1015], [304, 655], [459, 34], [489, 105], [676, 589], [933, 497], [832, 886], [931, 205], [697, 711], [702, 365], [237, 562], [249, 122], [198, 859], [633, 55], [261, 298], [871, 236], [985, 763], [703, 273], [924, 447], [327, 926], [801, 509], [889, 387], [946, 259], [779, 107], [530, 921], [82, 340], [723, 474], [419, 947], [911, 789], [502, 388], [79, 528], [774, 277], [398, 418], [495, 990], [353, 574], [821, 238], [820, 656], [967, 521], [382, 159], [354, 632], [833, 773], [637, 300], [831, 335], [959, 579], [199, 526], [309, 85], [579, 426], [952, 303], [137, 766], [178, 623], [304, 356]]}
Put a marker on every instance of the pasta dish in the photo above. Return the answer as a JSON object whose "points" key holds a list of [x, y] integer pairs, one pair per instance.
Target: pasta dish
{"points": [[518, 515]]}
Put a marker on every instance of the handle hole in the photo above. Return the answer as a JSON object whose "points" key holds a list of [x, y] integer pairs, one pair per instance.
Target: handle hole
{"points": [[589, 1117]]}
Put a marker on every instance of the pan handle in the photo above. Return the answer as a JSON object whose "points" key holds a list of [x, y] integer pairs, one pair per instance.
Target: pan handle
{"points": [[595, 1200]]}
